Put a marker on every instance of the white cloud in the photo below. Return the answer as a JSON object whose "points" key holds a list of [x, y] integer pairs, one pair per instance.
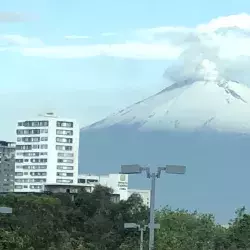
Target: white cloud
{"points": [[129, 50], [224, 40], [18, 40], [241, 21], [163, 42]]}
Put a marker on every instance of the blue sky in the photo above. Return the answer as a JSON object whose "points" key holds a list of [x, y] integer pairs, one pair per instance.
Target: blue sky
{"points": [[58, 59]]}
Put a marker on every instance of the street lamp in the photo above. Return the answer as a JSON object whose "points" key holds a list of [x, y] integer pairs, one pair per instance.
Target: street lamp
{"points": [[138, 169], [141, 229]]}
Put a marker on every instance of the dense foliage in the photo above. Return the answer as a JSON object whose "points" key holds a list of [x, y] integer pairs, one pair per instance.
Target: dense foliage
{"points": [[88, 221]]}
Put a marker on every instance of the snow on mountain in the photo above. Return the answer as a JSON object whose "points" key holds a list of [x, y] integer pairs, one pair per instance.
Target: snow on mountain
{"points": [[208, 102]]}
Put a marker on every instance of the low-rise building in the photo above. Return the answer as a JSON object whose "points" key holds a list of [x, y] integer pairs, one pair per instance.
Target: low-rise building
{"points": [[117, 182], [7, 166]]}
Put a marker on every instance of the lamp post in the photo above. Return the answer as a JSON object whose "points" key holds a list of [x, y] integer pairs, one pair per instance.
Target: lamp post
{"points": [[141, 229], [137, 169]]}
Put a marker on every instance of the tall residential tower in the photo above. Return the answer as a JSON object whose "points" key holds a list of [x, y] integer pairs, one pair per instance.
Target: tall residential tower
{"points": [[46, 152]]}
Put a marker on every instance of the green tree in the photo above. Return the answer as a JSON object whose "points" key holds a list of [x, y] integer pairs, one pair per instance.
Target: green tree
{"points": [[239, 230], [181, 230]]}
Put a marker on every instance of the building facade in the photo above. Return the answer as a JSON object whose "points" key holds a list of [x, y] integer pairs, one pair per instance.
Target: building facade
{"points": [[46, 152], [117, 182], [7, 166]]}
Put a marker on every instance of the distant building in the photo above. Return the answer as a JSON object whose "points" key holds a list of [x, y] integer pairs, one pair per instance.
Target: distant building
{"points": [[7, 166], [46, 152], [118, 183], [144, 193]]}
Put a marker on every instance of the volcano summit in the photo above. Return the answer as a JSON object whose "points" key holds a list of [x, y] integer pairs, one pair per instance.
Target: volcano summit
{"points": [[203, 123], [190, 105]]}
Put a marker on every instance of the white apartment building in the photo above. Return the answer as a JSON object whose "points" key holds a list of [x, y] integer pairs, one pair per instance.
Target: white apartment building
{"points": [[118, 182], [46, 152]]}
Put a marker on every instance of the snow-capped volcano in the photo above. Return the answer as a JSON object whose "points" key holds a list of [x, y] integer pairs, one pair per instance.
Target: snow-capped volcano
{"points": [[207, 102], [170, 128]]}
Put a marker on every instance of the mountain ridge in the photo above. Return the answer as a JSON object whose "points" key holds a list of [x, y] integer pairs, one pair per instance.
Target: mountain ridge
{"points": [[179, 104]]}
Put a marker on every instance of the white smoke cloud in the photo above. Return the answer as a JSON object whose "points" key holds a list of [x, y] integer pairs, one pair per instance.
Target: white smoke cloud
{"points": [[223, 41]]}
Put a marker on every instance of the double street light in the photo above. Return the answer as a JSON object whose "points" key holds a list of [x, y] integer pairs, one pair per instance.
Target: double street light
{"points": [[137, 169], [141, 229]]}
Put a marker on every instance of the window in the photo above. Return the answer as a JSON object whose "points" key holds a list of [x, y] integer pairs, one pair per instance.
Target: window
{"points": [[23, 147], [36, 160], [30, 180], [35, 167], [44, 131], [64, 181], [19, 160], [31, 139], [20, 180], [28, 131], [64, 140], [64, 124], [64, 174], [64, 148], [65, 155], [31, 154], [35, 124], [64, 132], [65, 167], [41, 146], [89, 181], [81, 180], [44, 138], [36, 186], [65, 160], [19, 174], [18, 186], [38, 173]]}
